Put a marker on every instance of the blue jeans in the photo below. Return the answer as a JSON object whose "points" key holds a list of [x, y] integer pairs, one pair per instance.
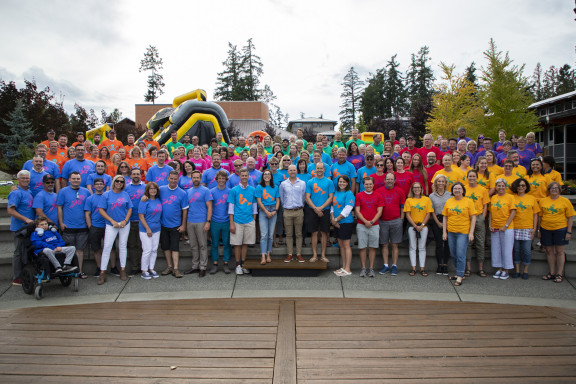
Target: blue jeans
{"points": [[267, 230], [215, 230], [458, 244], [522, 252]]}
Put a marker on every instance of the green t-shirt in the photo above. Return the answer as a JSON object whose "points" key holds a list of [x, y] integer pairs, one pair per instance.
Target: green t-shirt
{"points": [[357, 141], [239, 149], [268, 150], [378, 148], [304, 141], [188, 147], [172, 146], [338, 144]]}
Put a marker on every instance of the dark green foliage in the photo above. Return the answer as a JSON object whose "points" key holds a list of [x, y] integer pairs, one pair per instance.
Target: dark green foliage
{"points": [[155, 82], [16, 140], [351, 96]]}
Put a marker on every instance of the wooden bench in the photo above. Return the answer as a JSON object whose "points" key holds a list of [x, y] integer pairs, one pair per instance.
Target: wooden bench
{"points": [[279, 268]]}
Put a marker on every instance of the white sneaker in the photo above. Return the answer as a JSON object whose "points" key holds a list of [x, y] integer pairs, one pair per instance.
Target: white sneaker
{"points": [[363, 272], [497, 274], [245, 271], [504, 276], [239, 270]]}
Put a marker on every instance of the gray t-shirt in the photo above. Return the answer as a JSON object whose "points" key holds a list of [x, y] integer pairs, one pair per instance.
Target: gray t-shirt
{"points": [[438, 201]]}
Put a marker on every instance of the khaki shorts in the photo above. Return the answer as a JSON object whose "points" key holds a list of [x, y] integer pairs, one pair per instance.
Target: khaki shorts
{"points": [[245, 234]]}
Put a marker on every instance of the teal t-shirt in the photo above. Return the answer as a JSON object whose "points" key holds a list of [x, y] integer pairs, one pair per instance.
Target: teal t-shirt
{"points": [[340, 201]]}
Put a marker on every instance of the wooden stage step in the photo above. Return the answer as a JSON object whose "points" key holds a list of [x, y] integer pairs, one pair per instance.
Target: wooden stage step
{"points": [[279, 268]]}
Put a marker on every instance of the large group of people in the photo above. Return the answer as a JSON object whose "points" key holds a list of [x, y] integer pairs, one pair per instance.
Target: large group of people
{"points": [[124, 200]]}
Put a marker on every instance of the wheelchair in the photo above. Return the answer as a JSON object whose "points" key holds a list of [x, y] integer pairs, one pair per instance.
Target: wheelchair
{"points": [[37, 270]]}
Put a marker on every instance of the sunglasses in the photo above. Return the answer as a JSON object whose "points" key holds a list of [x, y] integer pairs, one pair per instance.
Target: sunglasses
{"points": [[119, 181]]}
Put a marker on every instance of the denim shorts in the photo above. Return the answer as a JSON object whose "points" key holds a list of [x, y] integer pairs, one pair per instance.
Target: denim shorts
{"points": [[551, 238]]}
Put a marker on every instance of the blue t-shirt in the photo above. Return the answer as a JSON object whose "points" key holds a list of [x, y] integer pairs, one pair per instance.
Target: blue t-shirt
{"points": [[243, 200], [327, 169], [233, 181], [254, 177], [107, 179], [36, 181], [326, 159], [152, 211], [197, 198], [279, 177], [345, 168], [304, 176], [135, 192], [85, 168], [22, 200], [209, 177], [319, 190], [220, 205], [173, 202], [362, 173], [340, 201], [49, 166], [267, 194], [116, 205], [91, 206], [72, 203], [46, 201], [185, 182], [159, 175]]}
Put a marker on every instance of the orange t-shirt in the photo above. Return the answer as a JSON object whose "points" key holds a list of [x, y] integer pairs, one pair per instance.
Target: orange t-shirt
{"points": [[112, 145], [150, 143], [59, 160]]}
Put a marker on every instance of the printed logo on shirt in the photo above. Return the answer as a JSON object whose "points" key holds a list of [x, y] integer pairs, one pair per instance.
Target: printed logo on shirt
{"points": [[170, 200], [473, 197], [222, 200], [242, 200], [534, 183], [118, 203], [335, 203], [521, 206], [419, 207], [318, 189], [498, 205], [551, 209], [266, 195], [457, 210]]}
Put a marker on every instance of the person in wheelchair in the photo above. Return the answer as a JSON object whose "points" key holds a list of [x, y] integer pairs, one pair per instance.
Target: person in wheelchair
{"points": [[47, 240]]}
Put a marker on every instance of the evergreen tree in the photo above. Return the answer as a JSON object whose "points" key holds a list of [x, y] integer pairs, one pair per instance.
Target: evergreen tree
{"points": [[470, 74], [229, 86], [372, 101], [536, 83], [454, 105], [395, 96], [506, 95], [420, 78], [549, 83], [351, 96], [152, 62], [17, 143], [565, 80], [251, 70], [79, 119]]}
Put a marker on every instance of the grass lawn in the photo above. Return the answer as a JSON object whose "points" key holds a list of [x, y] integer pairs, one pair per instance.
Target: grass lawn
{"points": [[5, 190]]}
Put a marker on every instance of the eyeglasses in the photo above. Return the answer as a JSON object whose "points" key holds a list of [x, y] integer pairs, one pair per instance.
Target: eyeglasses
{"points": [[379, 165], [273, 163], [119, 181], [123, 166], [521, 185], [48, 182], [237, 165]]}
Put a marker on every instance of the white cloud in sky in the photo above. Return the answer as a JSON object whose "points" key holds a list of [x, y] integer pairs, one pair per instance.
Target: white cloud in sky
{"points": [[90, 51]]}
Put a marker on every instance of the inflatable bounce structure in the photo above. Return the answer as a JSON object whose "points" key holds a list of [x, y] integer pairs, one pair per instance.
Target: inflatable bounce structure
{"points": [[190, 114]]}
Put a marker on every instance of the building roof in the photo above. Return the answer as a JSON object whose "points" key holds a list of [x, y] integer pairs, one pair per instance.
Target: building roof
{"points": [[554, 99], [312, 120]]}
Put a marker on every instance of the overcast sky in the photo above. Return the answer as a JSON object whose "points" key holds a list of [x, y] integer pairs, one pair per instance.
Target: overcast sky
{"points": [[89, 52]]}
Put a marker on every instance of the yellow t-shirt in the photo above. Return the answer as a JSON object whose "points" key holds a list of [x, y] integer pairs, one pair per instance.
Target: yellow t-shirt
{"points": [[519, 171], [459, 214], [496, 170], [500, 209], [555, 176], [554, 213], [509, 180], [484, 181], [538, 185], [451, 177], [479, 196], [526, 206], [418, 208]]}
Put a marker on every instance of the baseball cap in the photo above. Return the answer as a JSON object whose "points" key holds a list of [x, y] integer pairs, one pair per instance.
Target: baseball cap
{"points": [[47, 178]]}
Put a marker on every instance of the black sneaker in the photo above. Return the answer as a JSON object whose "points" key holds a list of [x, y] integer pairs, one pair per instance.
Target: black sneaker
{"points": [[97, 273], [439, 270], [115, 271], [445, 270]]}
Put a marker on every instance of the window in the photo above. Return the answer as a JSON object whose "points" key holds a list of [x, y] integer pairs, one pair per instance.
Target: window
{"points": [[559, 108], [571, 134], [558, 134], [297, 125], [550, 135], [552, 110], [316, 125], [543, 112]]}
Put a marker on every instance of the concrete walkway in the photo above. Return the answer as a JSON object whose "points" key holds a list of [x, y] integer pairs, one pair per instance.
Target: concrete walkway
{"points": [[434, 287]]}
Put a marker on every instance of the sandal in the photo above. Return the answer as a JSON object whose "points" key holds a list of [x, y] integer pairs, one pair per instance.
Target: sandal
{"points": [[423, 273], [549, 276], [313, 260], [467, 273], [481, 273], [558, 278], [326, 260], [458, 283], [453, 278], [412, 272]]}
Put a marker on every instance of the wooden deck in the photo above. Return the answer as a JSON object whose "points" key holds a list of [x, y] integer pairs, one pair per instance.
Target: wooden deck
{"points": [[312, 341]]}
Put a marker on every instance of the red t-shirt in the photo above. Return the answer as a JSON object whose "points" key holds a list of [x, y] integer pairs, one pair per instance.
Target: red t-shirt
{"points": [[431, 171], [379, 181], [368, 204], [404, 181], [412, 151], [393, 203], [418, 177], [425, 151]]}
